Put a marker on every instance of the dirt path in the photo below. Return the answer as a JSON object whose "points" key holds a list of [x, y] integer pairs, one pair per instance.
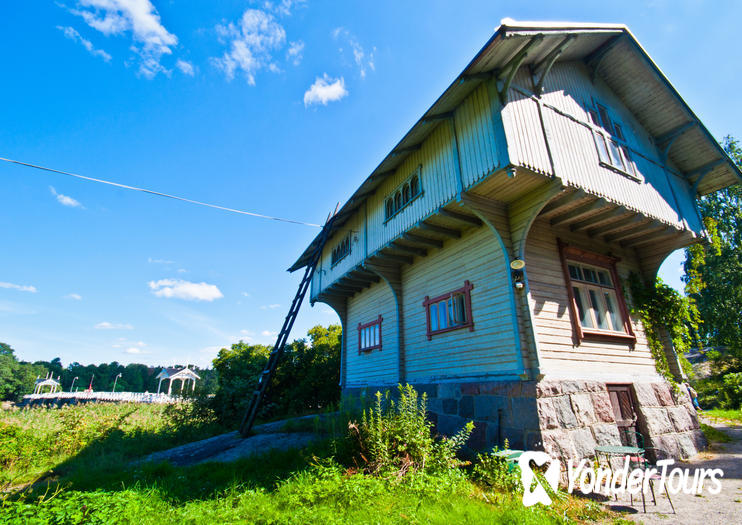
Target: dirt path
{"points": [[707, 509]]}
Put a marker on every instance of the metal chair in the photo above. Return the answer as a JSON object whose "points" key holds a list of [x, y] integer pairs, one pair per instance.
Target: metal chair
{"points": [[645, 465]]}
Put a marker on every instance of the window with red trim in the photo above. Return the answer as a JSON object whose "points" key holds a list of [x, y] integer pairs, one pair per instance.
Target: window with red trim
{"points": [[596, 301], [369, 335], [450, 311]]}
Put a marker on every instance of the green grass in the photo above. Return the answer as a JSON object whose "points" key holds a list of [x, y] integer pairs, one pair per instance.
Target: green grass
{"points": [[733, 416], [95, 481]]}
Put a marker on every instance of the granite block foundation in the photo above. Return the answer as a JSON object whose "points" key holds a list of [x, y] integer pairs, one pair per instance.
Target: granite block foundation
{"points": [[567, 419]]}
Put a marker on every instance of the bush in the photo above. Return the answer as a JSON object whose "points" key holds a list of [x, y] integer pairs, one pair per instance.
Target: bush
{"points": [[396, 438], [493, 470]]}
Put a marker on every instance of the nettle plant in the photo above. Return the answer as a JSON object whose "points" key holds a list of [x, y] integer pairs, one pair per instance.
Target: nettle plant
{"points": [[395, 437]]}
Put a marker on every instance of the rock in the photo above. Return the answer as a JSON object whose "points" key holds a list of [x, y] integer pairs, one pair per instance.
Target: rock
{"points": [[680, 418], [655, 420], [606, 434], [523, 413], [557, 444], [486, 407], [548, 389], [645, 395], [555, 412], [466, 407], [582, 407], [662, 391], [450, 406], [602, 407], [584, 442]]}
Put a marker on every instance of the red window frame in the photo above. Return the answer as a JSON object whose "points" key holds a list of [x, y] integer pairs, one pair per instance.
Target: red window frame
{"points": [[567, 252], [466, 292], [361, 327]]}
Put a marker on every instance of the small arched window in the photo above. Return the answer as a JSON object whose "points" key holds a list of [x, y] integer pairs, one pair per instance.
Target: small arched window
{"points": [[397, 202], [389, 208], [414, 186], [405, 194]]}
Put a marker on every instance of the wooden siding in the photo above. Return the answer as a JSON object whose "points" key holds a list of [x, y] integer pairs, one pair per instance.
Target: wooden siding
{"points": [[376, 367], [490, 349], [552, 322], [560, 115], [476, 137]]}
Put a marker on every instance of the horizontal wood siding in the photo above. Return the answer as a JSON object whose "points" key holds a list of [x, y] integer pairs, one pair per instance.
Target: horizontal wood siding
{"points": [[492, 347], [377, 366], [327, 273], [476, 137], [553, 324]]}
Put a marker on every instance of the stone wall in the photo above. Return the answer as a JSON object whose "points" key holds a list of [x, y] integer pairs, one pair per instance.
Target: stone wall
{"points": [[567, 419]]}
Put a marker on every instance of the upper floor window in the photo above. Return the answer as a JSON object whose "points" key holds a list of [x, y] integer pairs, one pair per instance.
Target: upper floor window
{"points": [[341, 250], [596, 300], [450, 311], [407, 192], [369, 335], [613, 151]]}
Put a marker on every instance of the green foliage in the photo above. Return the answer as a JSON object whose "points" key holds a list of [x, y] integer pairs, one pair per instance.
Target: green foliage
{"points": [[661, 307], [307, 379], [730, 416], [16, 377], [396, 437], [714, 435], [714, 272], [495, 471]]}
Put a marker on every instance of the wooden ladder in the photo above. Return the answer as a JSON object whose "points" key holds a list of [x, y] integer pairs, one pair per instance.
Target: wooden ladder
{"points": [[277, 351]]}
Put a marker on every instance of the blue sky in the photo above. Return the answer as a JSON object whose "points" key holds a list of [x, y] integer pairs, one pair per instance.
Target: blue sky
{"points": [[279, 108]]}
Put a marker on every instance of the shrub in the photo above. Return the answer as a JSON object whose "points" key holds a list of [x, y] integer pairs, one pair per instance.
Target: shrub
{"points": [[493, 470], [396, 438]]}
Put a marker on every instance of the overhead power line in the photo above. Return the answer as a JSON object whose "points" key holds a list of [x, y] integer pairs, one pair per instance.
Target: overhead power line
{"points": [[160, 194]]}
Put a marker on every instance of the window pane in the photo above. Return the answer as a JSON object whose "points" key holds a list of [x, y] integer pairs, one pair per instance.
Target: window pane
{"points": [[613, 314], [602, 149], [590, 275], [433, 317], [406, 194], [414, 186], [604, 279], [442, 315], [618, 131], [458, 310], [594, 117], [599, 311], [574, 272], [605, 120], [585, 319], [627, 158], [616, 158]]}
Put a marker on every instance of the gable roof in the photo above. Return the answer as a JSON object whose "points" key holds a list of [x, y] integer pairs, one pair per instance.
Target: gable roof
{"points": [[616, 57], [174, 372]]}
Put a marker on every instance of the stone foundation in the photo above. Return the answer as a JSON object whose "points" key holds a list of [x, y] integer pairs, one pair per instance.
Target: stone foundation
{"points": [[567, 419]]}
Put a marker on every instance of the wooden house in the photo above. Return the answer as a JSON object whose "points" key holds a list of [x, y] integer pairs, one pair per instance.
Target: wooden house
{"points": [[485, 259]]}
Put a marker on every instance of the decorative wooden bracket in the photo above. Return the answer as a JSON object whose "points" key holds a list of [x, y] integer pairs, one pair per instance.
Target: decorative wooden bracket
{"points": [[701, 172], [594, 59], [544, 66], [664, 142], [505, 75]]}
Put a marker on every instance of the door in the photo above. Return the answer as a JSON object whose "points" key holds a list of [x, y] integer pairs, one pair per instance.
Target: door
{"points": [[623, 411]]}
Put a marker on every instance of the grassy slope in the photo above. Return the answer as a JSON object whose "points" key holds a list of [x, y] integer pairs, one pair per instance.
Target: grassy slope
{"points": [[731, 416], [95, 483]]}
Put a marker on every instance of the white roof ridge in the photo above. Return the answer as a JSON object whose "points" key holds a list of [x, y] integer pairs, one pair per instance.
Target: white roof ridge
{"points": [[554, 24]]}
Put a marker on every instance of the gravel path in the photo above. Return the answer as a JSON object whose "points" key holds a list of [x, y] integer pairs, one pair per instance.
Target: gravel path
{"points": [[709, 509]]}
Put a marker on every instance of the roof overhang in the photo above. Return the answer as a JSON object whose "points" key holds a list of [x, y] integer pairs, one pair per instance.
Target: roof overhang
{"points": [[615, 56]]}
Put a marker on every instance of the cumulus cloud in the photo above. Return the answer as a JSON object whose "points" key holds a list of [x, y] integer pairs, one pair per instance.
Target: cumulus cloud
{"points": [[284, 7], [325, 90], [270, 306], [363, 59], [72, 34], [179, 289], [251, 42], [150, 39], [19, 287], [75, 296], [295, 52], [135, 351], [268, 333], [64, 200], [105, 325], [159, 261], [185, 67]]}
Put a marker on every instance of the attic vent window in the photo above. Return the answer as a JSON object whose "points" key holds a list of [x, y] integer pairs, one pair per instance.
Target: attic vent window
{"points": [[341, 250], [403, 195], [613, 152]]}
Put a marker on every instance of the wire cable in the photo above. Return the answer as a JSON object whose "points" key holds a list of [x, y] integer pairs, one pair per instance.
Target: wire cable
{"points": [[160, 194]]}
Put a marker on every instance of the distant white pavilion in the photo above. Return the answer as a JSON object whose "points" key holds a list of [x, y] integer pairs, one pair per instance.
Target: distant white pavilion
{"points": [[47, 382], [181, 374]]}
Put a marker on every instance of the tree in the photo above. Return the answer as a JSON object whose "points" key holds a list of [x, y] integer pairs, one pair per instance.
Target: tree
{"points": [[16, 378], [714, 271]]}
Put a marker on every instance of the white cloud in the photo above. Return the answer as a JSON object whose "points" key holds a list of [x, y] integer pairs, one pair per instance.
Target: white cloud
{"points": [[64, 199], [364, 60], [140, 18], [179, 289], [295, 52], [75, 296], [72, 34], [251, 42], [268, 333], [325, 90], [247, 332], [270, 306], [246, 294], [135, 351], [283, 7], [159, 261], [105, 325], [182, 270], [19, 287], [185, 67]]}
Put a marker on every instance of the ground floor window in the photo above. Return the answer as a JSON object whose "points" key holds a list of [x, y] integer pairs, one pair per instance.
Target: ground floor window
{"points": [[369, 335], [596, 302], [450, 311]]}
